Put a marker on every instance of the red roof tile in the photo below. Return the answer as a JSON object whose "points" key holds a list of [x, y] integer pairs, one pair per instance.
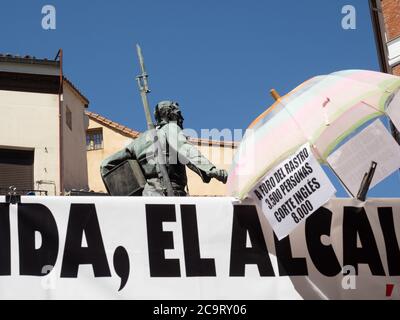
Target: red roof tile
{"points": [[114, 125], [134, 134]]}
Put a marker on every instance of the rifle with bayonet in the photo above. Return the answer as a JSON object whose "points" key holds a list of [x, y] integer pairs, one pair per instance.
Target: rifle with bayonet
{"points": [[143, 84]]}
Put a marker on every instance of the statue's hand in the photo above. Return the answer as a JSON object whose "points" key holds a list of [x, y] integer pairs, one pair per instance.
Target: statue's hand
{"points": [[219, 174]]}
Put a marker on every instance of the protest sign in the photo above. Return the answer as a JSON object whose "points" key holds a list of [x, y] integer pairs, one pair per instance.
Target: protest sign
{"points": [[292, 191]]}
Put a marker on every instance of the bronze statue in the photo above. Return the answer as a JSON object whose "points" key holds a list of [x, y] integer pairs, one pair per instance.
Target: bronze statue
{"points": [[176, 150]]}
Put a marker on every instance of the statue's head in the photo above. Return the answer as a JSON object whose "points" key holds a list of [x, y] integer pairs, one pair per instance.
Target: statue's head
{"points": [[168, 111]]}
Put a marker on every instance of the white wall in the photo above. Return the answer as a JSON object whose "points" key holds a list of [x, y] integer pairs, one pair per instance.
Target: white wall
{"points": [[30, 121], [74, 142]]}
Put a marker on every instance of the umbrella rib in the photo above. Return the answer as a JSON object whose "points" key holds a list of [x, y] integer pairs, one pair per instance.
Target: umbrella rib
{"points": [[373, 107], [341, 181]]}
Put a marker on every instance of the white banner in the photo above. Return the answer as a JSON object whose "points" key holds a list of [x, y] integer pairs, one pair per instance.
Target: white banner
{"points": [[292, 191], [194, 248]]}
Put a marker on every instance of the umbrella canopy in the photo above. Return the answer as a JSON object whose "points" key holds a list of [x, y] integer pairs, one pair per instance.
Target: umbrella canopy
{"points": [[322, 111]]}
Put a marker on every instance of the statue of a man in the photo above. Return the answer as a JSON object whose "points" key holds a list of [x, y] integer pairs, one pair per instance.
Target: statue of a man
{"points": [[177, 150]]}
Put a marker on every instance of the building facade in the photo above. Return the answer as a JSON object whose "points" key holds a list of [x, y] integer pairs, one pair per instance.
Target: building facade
{"points": [[105, 137], [385, 16], [42, 127], [50, 144]]}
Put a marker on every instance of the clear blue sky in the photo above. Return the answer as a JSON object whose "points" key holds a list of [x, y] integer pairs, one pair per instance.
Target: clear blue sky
{"points": [[219, 59]]}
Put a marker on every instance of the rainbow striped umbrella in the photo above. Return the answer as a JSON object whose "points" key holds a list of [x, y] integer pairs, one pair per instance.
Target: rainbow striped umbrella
{"points": [[322, 111]]}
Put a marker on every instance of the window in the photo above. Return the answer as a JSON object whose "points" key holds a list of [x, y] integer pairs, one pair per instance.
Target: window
{"points": [[16, 169], [68, 118], [94, 139]]}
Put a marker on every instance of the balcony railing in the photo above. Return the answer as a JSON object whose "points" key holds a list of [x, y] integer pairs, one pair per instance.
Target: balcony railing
{"points": [[6, 191]]}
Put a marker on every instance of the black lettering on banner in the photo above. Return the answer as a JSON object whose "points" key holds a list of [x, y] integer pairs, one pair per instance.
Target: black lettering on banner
{"points": [[295, 218], [245, 220], [309, 189], [5, 242], [300, 174], [391, 242], [121, 265], [263, 188], [308, 168], [316, 183], [279, 175], [195, 265], [83, 219], [277, 216], [259, 196], [355, 221], [270, 183], [283, 187], [287, 264], [304, 209], [36, 218], [323, 257], [311, 186], [295, 162], [159, 240]]}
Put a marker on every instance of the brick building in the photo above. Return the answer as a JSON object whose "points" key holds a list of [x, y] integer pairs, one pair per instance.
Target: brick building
{"points": [[385, 16]]}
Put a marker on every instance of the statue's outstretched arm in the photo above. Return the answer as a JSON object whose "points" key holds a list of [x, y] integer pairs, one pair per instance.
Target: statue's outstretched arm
{"points": [[186, 153]]}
